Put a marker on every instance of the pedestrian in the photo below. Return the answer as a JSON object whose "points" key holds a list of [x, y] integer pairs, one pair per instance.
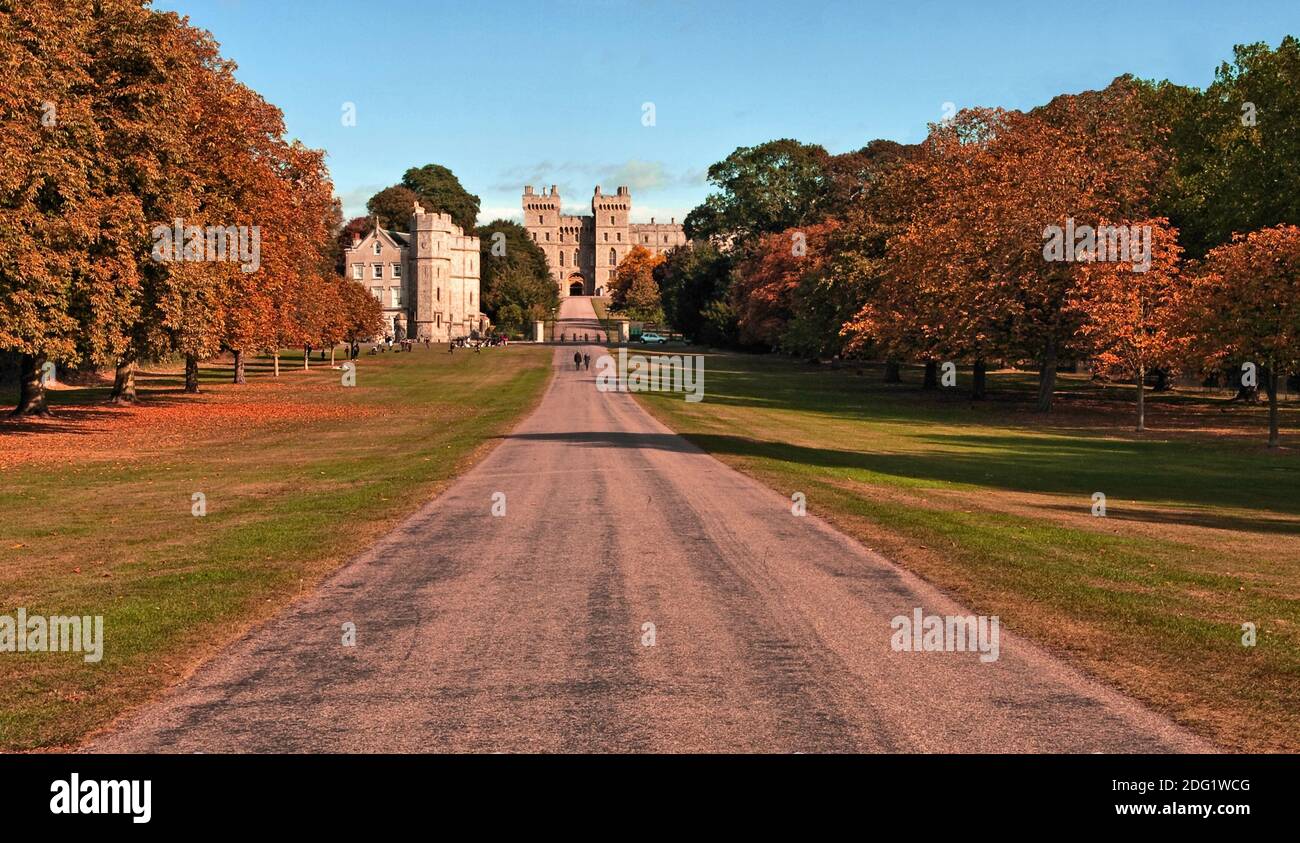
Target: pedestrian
{"points": [[577, 360], [451, 346], [586, 361]]}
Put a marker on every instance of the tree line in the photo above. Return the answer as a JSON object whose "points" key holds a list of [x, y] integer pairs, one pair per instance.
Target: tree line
{"points": [[1147, 229], [131, 163]]}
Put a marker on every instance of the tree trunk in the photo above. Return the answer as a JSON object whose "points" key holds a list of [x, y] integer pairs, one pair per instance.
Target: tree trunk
{"points": [[979, 379], [332, 356], [1273, 439], [1047, 376], [276, 357], [931, 375], [124, 380], [306, 359], [191, 374], [31, 395], [1142, 393], [893, 372], [239, 367]]}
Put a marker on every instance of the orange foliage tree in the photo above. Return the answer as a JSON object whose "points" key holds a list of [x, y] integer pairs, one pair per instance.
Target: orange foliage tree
{"points": [[769, 275], [1134, 320], [1245, 305], [633, 289]]}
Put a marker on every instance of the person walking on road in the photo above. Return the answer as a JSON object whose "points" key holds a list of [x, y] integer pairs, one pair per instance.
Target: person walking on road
{"points": [[586, 361], [577, 360]]}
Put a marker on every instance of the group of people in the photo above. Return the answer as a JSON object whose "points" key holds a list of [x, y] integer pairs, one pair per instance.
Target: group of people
{"points": [[581, 361]]}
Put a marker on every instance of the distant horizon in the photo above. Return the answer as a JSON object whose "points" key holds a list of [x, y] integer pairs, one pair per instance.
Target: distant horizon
{"points": [[507, 95]]}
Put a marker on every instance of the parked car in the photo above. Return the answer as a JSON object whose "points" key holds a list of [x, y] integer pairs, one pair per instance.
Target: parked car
{"points": [[650, 337]]}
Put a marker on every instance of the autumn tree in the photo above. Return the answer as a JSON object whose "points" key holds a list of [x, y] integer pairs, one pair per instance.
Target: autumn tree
{"points": [[768, 276], [633, 290], [970, 274], [1246, 303], [1133, 317], [363, 314], [50, 206], [870, 203]]}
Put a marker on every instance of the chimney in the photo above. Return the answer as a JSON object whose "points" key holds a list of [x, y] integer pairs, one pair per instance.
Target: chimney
{"points": [[356, 239], [597, 190], [555, 191], [652, 220], [528, 190]]}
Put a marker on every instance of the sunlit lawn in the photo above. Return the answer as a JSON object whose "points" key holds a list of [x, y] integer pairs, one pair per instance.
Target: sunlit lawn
{"points": [[298, 474], [995, 503]]}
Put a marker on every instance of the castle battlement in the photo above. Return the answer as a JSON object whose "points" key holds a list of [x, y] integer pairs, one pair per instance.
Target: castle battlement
{"points": [[583, 251]]}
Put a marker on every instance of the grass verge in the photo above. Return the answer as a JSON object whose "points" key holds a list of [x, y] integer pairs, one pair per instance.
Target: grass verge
{"points": [[994, 503], [298, 474]]}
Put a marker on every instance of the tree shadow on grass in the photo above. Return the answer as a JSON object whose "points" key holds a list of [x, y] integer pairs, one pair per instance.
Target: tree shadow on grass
{"points": [[1236, 523], [1164, 472]]}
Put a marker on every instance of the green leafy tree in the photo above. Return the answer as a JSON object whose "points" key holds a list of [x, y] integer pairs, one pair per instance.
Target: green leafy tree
{"points": [[762, 189], [516, 281], [691, 279], [1237, 165], [439, 190], [393, 206]]}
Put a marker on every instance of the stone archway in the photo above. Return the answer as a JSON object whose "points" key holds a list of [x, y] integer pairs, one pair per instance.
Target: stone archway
{"points": [[577, 285]]}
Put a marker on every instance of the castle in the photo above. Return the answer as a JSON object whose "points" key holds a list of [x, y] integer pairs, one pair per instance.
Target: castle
{"points": [[583, 251], [427, 280]]}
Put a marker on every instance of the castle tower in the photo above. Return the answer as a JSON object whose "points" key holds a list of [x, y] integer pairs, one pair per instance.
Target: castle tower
{"points": [[542, 219], [611, 229], [430, 274]]}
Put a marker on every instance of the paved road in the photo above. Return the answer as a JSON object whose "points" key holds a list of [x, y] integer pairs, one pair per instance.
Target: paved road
{"points": [[525, 632]]}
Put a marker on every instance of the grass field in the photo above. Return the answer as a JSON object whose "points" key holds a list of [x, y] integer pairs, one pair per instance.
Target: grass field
{"points": [[298, 474], [993, 502]]}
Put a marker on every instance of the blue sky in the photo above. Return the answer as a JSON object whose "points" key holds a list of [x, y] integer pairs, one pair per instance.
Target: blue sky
{"points": [[552, 91]]}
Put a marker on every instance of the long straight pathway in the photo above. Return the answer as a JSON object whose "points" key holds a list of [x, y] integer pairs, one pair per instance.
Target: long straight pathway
{"points": [[528, 631]]}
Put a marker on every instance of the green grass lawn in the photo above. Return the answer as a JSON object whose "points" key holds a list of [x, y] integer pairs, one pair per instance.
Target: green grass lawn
{"points": [[993, 502], [299, 473]]}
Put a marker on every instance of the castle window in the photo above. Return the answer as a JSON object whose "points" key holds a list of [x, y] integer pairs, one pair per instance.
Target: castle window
{"points": [[561, 258], [377, 270], [397, 270], [395, 297], [606, 236], [548, 236], [439, 294], [620, 237], [611, 219], [645, 239], [613, 256], [665, 238], [378, 246], [539, 219], [357, 272], [575, 257]]}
